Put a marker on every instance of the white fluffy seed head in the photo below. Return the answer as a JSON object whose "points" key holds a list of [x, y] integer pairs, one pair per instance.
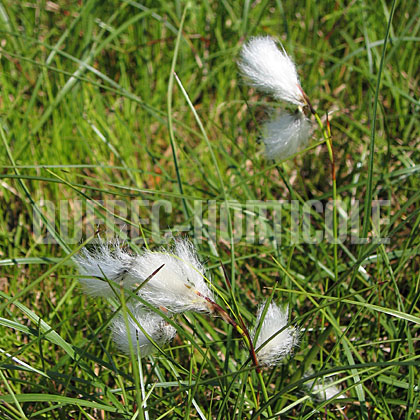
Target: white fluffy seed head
{"points": [[180, 285], [284, 135], [324, 389], [271, 70], [155, 326], [282, 344], [105, 260]]}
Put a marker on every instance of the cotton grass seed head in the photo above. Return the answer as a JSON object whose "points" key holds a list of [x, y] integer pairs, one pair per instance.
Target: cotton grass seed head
{"points": [[323, 388], [282, 343], [154, 325], [180, 285], [324, 391], [271, 70], [285, 134], [105, 262]]}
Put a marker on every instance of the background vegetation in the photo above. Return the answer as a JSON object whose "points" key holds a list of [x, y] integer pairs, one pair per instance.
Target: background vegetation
{"points": [[90, 110]]}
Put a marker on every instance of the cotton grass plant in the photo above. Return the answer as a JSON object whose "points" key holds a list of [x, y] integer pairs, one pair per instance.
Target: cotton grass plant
{"points": [[144, 329], [88, 113], [273, 339], [272, 71], [172, 280]]}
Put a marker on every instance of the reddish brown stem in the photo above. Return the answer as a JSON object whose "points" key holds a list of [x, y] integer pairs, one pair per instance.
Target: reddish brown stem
{"points": [[243, 331], [308, 102]]}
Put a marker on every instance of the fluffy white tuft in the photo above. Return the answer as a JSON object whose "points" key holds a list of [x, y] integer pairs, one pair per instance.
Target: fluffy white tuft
{"points": [[271, 70], [282, 344], [284, 135], [155, 326], [104, 261], [324, 389], [176, 285]]}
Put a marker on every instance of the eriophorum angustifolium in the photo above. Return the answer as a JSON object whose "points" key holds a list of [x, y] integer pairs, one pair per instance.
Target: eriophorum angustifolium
{"points": [[324, 389], [285, 134], [272, 71], [275, 340], [141, 321], [102, 264], [171, 279], [178, 286], [136, 121], [181, 283]]}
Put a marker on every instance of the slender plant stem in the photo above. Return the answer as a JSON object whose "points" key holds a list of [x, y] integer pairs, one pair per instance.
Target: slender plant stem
{"points": [[264, 391], [326, 133], [169, 108], [254, 395], [244, 333]]}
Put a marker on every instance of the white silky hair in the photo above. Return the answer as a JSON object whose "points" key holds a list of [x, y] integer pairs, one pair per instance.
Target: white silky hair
{"points": [[178, 286], [285, 134], [103, 261], [271, 70], [154, 325], [175, 286], [282, 344], [324, 390]]}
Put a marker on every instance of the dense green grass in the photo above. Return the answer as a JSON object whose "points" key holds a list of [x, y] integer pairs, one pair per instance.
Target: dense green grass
{"points": [[91, 112]]}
